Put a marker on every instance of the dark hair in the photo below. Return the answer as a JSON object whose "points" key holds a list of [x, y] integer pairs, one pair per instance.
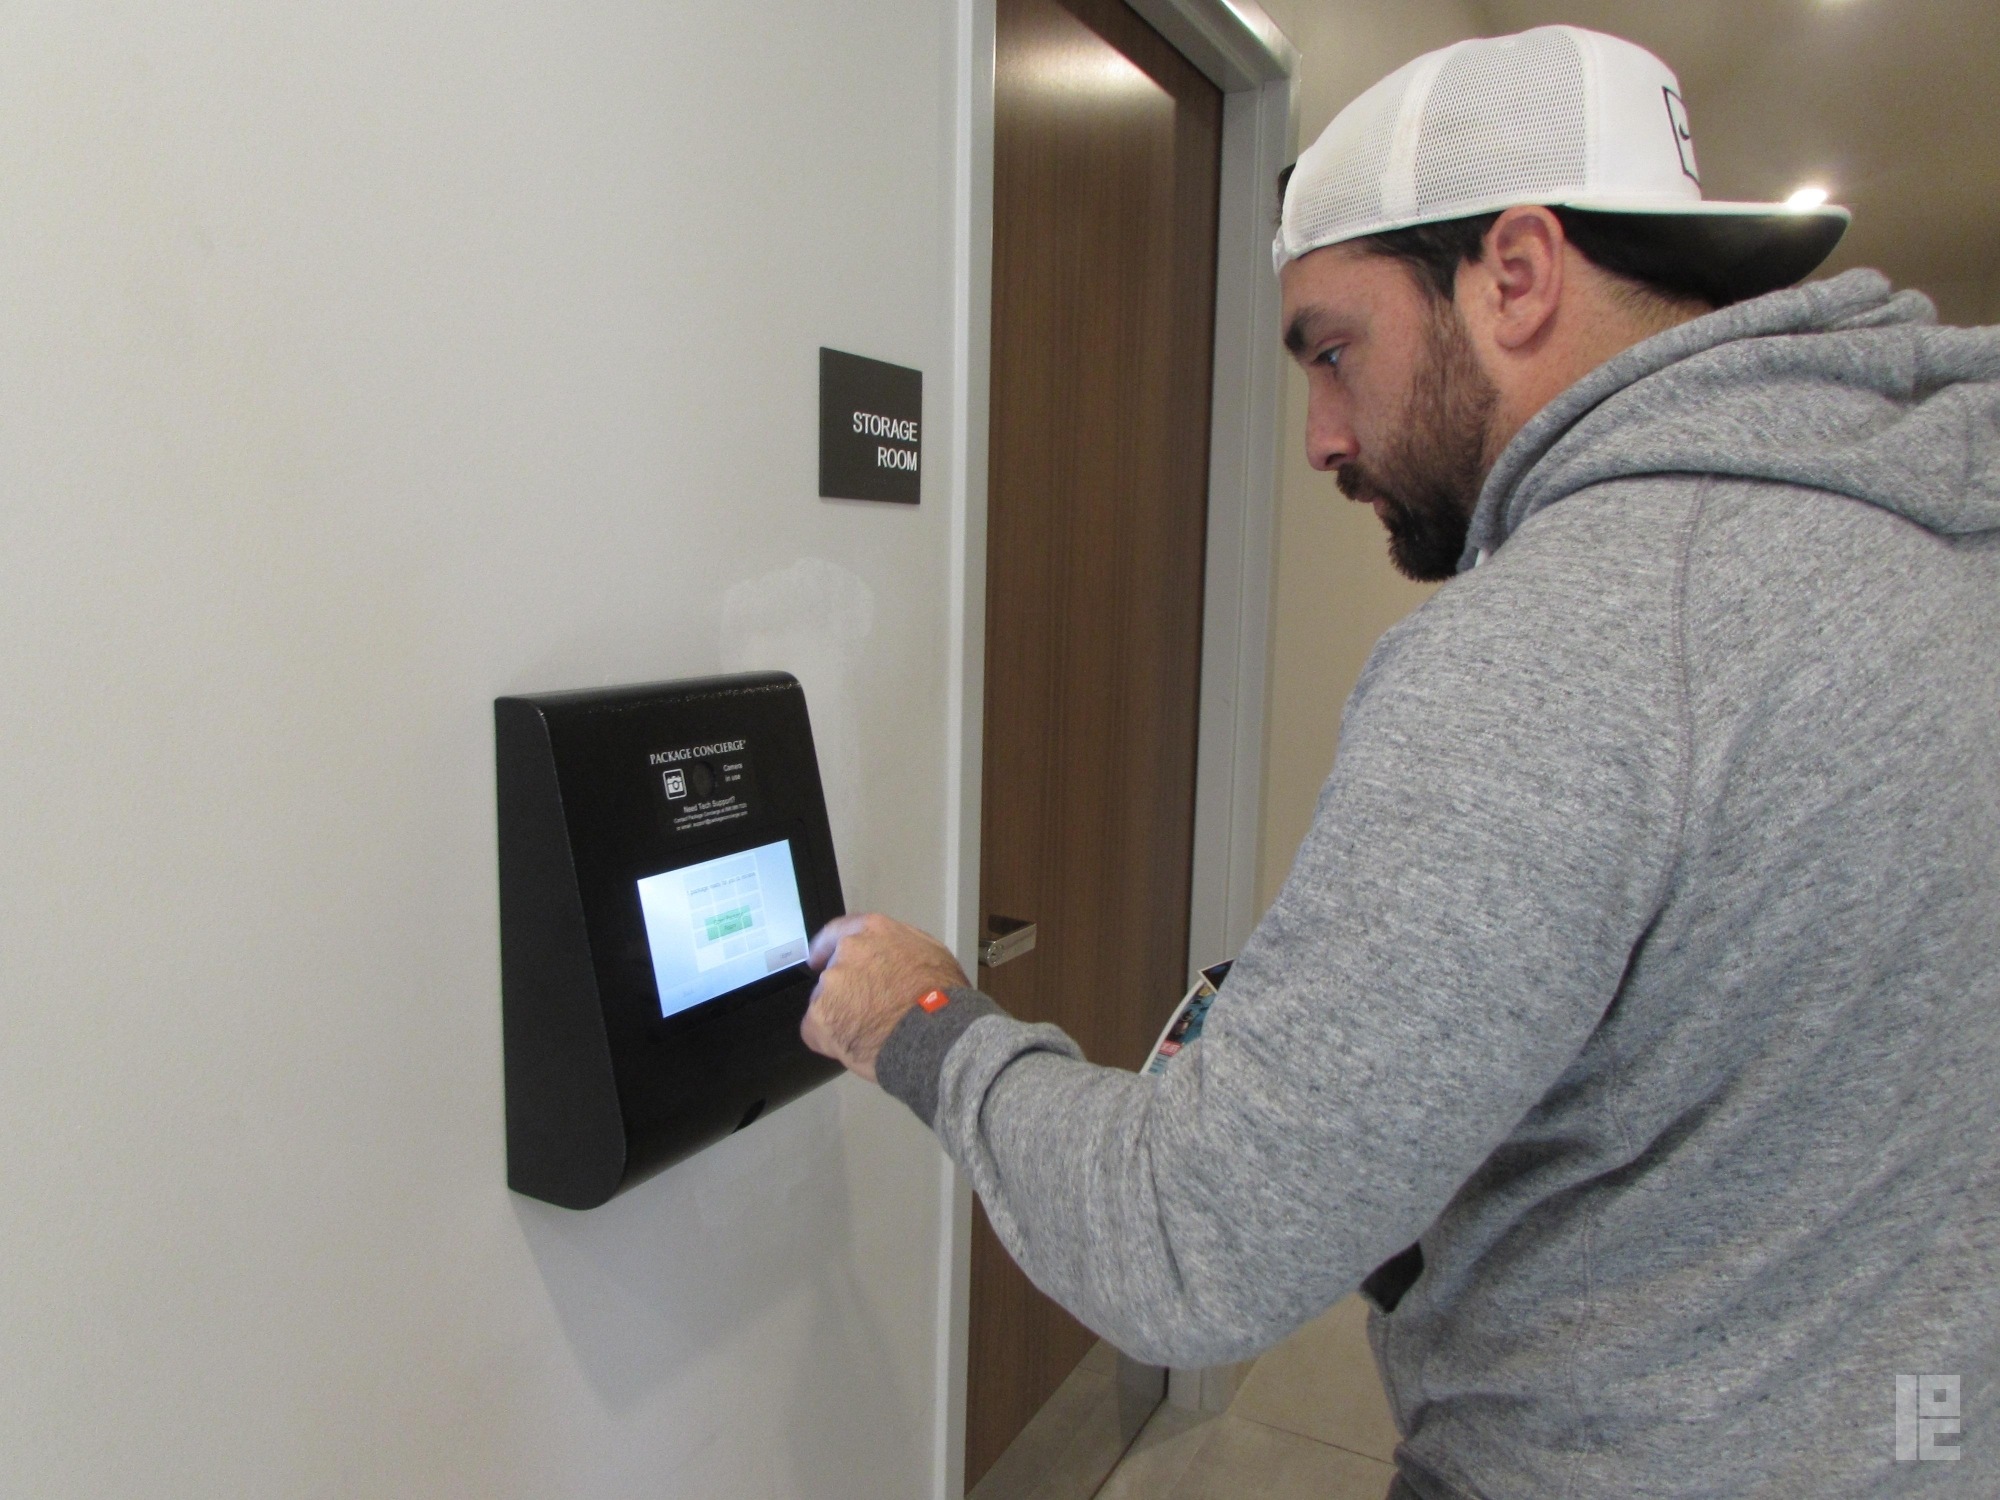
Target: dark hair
{"points": [[1653, 253], [1661, 256]]}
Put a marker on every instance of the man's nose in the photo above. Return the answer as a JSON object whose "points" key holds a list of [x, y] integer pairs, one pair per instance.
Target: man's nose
{"points": [[1329, 436]]}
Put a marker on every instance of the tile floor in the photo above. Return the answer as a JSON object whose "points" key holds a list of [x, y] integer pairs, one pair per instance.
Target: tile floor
{"points": [[1076, 1439], [1309, 1423]]}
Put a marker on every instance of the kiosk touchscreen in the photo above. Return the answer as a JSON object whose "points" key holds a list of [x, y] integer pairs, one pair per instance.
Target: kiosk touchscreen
{"points": [[664, 862], [724, 923]]}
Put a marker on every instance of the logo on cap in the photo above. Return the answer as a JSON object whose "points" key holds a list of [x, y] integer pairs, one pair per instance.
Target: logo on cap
{"points": [[1677, 116]]}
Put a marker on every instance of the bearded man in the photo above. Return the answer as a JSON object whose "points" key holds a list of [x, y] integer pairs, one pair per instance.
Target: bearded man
{"points": [[1628, 1026]]}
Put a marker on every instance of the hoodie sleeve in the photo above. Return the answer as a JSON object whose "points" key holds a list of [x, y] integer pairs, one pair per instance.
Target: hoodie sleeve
{"points": [[1493, 841]]}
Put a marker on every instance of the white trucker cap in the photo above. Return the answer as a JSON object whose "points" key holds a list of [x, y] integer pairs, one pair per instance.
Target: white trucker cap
{"points": [[1557, 116]]}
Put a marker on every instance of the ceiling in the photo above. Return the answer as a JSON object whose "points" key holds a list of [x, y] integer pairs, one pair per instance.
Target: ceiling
{"points": [[1891, 105]]}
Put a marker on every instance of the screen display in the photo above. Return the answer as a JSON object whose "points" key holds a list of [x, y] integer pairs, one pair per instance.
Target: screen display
{"points": [[719, 925]]}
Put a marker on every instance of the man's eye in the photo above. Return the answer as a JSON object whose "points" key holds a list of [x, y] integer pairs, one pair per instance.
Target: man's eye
{"points": [[1329, 357]]}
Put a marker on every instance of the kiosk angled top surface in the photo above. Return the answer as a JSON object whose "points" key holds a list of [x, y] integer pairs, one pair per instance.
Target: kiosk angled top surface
{"points": [[680, 691]]}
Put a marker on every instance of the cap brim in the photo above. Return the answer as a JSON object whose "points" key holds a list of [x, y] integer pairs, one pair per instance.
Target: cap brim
{"points": [[1749, 248]]}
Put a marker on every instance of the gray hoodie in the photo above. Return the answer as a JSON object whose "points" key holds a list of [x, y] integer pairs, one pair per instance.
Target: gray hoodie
{"points": [[1641, 967]]}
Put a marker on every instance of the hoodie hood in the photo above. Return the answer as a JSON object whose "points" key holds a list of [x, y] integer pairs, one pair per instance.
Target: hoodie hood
{"points": [[1842, 385]]}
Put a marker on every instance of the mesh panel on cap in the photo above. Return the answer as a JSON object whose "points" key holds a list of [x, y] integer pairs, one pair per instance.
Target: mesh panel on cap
{"points": [[1348, 189], [1503, 119]]}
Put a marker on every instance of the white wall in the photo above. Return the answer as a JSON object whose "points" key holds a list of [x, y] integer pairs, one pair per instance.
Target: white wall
{"points": [[1334, 592], [361, 362]]}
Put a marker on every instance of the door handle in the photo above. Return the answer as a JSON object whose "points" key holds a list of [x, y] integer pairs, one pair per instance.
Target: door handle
{"points": [[1009, 938]]}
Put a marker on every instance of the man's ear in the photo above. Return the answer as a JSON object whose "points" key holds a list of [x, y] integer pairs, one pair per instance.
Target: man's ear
{"points": [[1517, 283]]}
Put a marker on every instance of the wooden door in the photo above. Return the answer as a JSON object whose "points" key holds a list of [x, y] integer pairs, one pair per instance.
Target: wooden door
{"points": [[1107, 150]]}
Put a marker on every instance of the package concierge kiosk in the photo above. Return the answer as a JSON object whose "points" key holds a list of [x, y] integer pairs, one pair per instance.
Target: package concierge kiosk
{"points": [[664, 861]]}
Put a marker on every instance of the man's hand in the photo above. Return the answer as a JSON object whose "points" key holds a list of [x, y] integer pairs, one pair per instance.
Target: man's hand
{"points": [[872, 972]]}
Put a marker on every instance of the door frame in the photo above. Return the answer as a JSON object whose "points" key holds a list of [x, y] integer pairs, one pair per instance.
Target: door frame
{"points": [[1242, 51]]}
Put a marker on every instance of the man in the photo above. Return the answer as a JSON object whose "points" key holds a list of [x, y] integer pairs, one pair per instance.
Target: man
{"points": [[1628, 1027]]}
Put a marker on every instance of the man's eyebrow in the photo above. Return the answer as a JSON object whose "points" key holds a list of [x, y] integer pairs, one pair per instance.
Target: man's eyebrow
{"points": [[1304, 330]]}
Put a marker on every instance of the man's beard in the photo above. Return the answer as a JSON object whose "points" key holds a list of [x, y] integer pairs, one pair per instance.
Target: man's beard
{"points": [[1428, 477]]}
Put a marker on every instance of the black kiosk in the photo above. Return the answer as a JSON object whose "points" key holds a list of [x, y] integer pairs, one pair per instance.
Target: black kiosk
{"points": [[664, 861]]}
